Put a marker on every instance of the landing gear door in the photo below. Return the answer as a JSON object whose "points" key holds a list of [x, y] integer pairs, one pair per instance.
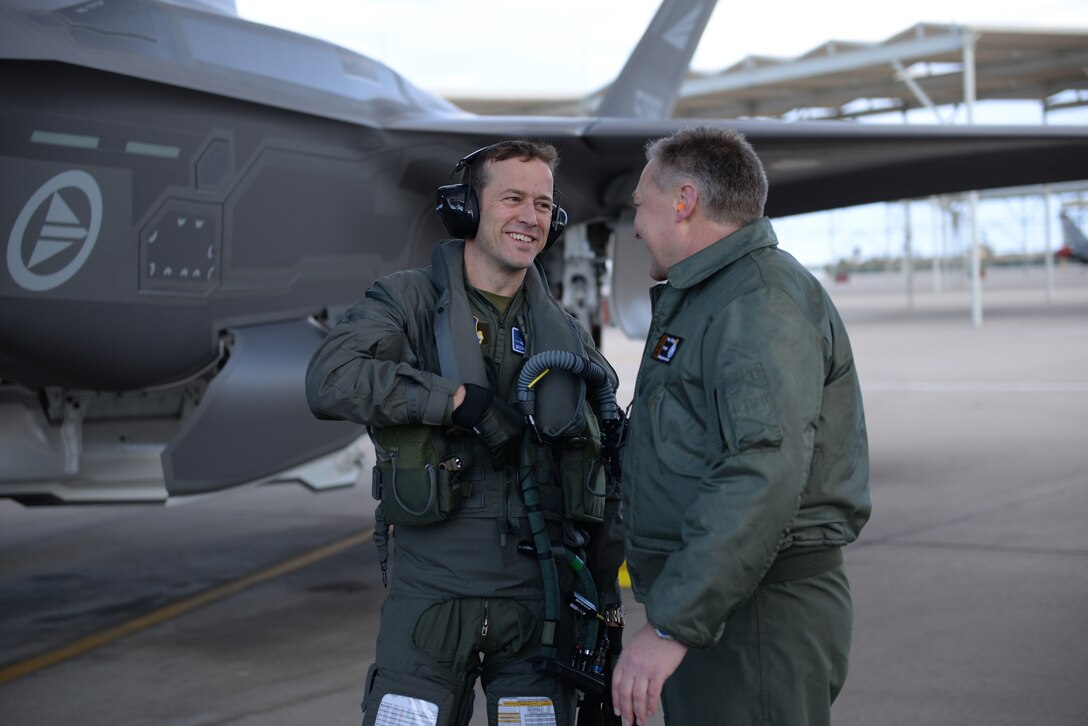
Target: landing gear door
{"points": [[631, 281]]}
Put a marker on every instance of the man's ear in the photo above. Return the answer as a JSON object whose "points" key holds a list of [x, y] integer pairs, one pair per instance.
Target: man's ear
{"points": [[689, 198]]}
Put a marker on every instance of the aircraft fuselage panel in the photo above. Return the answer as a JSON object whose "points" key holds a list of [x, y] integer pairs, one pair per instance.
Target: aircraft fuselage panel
{"points": [[137, 231]]}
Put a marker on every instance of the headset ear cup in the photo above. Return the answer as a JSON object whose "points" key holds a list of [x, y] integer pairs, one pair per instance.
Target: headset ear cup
{"points": [[459, 210], [555, 229]]}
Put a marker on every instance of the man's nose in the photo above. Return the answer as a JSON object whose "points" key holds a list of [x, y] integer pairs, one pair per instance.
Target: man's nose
{"points": [[527, 212]]}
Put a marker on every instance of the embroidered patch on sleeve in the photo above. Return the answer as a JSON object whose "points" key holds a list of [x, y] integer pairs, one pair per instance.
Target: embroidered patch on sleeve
{"points": [[666, 348]]}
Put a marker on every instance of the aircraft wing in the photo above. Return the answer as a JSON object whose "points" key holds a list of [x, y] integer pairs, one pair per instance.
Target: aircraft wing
{"points": [[811, 165]]}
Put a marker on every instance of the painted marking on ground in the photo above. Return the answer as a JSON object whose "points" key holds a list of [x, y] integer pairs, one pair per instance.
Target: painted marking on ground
{"points": [[105, 637]]}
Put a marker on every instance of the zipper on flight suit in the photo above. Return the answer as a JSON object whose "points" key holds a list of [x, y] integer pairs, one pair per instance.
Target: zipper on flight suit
{"points": [[487, 623]]}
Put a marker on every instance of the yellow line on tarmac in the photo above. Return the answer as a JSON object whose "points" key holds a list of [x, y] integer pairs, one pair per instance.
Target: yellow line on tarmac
{"points": [[52, 657]]}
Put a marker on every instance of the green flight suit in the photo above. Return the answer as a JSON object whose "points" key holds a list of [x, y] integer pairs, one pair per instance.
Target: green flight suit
{"points": [[746, 470], [464, 602]]}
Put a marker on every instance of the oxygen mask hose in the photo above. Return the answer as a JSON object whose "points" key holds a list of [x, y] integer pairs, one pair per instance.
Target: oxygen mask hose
{"points": [[601, 395], [531, 494], [587, 605], [603, 400]]}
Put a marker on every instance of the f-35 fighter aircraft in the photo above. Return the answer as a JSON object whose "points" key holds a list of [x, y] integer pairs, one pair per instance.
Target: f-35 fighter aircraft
{"points": [[190, 199]]}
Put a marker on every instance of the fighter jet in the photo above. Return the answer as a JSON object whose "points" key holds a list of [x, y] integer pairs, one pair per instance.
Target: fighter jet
{"points": [[1074, 243], [191, 199]]}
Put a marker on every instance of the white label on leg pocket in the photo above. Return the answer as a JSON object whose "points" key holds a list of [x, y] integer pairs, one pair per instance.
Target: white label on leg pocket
{"points": [[526, 711], [397, 710]]}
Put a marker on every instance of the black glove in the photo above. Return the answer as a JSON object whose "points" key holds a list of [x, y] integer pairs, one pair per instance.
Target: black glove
{"points": [[497, 424]]}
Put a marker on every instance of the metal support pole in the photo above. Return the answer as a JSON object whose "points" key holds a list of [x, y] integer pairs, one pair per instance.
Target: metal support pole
{"points": [[976, 264], [1048, 245], [941, 242], [908, 254], [969, 92]]}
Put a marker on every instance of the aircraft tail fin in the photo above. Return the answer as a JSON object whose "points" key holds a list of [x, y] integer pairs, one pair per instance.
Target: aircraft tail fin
{"points": [[1074, 242], [649, 84]]}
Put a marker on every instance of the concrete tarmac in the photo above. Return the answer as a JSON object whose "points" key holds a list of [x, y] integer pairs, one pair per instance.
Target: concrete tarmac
{"points": [[969, 582]]}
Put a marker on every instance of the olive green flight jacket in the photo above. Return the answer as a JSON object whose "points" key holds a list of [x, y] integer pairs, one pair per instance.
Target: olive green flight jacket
{"points": [[747, 434], [383, 365]]}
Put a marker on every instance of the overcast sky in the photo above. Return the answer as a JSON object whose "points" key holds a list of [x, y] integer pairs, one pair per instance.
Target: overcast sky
{"points": [[573, 47]]}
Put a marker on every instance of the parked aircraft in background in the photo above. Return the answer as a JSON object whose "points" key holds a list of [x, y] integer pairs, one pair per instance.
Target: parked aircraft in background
{"points": [[1074, 243], [190, 200]]}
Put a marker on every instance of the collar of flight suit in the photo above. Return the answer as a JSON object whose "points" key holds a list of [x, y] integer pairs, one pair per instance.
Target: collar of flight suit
{"points": [[560, 396], [704, 263]]}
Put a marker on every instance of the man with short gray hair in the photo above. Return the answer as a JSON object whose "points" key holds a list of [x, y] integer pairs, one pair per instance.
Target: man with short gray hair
{"points": [[746, 469]]}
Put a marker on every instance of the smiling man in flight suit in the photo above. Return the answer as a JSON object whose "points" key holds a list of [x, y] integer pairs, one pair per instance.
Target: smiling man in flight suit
{"points": [[429, 360]]}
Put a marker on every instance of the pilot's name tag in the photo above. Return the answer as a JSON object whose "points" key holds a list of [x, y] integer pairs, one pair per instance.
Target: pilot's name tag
{"points": [[517, 341]]}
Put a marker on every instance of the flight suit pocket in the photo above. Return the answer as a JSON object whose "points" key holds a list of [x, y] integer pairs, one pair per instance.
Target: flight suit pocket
{"points": [[417, 496], [416, 483], [747, 409], [646, 558], [679, 438], [581, 475], [438, 631]]}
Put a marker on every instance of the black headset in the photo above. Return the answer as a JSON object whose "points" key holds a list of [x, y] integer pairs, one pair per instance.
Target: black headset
{"points": [[459, 208]]}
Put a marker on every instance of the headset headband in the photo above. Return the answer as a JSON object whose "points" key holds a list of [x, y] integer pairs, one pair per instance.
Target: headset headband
{"points": [[458, 206]]}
